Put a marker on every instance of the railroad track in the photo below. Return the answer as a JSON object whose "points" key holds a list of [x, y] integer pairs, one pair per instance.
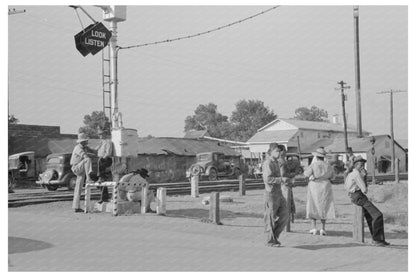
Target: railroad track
{"points": [[183, 188]]}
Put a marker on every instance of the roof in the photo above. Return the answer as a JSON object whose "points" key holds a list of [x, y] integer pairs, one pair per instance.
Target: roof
{"points": [[272, 136], [312, 125], [182, 147], [195, 133], [14, 156], [403, 142], [357, 144], [312, 147]]}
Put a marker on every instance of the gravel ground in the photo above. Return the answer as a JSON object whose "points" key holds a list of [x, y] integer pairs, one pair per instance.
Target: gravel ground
{"points": [[50, 237]]}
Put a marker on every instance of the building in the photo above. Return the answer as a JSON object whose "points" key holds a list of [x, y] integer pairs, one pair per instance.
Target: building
{"points": [[293, 133], [363, 147]]}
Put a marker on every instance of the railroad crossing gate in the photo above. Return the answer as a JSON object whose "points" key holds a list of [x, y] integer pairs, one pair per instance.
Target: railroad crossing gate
{"points": [[92, 39]]}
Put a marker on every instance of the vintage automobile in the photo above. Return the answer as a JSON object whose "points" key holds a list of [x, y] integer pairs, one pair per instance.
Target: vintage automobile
{"points": [[58, 172], [214, 165], [22, 168]]}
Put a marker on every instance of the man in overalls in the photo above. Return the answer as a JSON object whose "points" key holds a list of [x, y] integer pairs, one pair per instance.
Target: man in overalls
{"points": [[276, 213]]}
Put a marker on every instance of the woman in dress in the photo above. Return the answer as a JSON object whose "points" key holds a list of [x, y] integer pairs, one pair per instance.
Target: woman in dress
{"points": [[320, 198]]}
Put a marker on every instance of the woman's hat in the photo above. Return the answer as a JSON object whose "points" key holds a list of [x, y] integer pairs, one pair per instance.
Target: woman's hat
{"points": [[82, 137], [320, 152], [359, 159]]}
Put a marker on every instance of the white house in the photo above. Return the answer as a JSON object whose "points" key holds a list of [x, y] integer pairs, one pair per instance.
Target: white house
{"points": [[289, 131]]}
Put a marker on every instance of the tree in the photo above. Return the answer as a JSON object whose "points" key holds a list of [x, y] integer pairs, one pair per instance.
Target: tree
{"points": [[93, 122], [312, 114], [207, 118], [12, 119], [248, 117]]}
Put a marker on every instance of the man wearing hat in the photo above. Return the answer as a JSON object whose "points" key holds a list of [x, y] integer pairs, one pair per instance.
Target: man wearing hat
{"points": [[276, 213], [104, 153], [81, 165], [357, 190]]}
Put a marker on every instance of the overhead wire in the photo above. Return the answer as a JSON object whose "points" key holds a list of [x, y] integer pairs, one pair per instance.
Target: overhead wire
{"points": [[199, 34]]}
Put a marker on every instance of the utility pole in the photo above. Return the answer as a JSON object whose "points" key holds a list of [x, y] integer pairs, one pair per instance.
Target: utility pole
{"points": [[14, 11], [357, 72], [114, 14], [343, 98], [393, 153]]}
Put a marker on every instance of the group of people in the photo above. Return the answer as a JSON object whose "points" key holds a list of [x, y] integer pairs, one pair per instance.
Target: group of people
{"points": [[81, 165], [320, 203]]}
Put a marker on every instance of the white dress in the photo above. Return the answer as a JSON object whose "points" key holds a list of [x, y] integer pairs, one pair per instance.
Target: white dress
{"points": [[320, 198]]}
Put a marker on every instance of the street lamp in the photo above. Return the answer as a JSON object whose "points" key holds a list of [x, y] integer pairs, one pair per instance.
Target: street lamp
{"points": [[373, 152]]}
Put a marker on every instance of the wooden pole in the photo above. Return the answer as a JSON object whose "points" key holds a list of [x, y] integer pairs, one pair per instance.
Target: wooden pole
{"points": [[289, 207], [195, 186], [242, 184], [214, 208], [397, 178], [161, 201], [145, 199], [87, 198], [358, 224]]}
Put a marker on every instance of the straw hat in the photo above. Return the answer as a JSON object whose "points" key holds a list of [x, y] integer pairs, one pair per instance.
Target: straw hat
{"points": [[320, 152], [82, 137]]}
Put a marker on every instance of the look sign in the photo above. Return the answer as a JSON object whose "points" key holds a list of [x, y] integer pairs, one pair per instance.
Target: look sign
{"points": [[92, 39]]}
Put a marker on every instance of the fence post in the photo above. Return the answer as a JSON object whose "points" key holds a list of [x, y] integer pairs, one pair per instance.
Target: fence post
{"points": [[145, 199], [195, 186], [161, 201], [214, 208], [242, 184], [358, 224], [289, 207], [87, 198], [396, 168]]}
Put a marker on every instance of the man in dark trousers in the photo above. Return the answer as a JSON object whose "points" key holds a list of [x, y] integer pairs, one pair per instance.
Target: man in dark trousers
{"points": [[357, 190], [276, 213]]}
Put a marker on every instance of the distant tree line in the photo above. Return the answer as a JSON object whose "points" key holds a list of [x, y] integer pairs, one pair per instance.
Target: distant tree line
{"points": [[245, 120]]}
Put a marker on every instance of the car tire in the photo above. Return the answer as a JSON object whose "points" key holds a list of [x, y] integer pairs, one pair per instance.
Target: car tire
{"points": [[72, 183], [212, 176], [51, 188]]}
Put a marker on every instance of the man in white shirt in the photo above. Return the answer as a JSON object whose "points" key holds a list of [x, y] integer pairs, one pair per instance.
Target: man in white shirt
{"points": [[357, 189]]}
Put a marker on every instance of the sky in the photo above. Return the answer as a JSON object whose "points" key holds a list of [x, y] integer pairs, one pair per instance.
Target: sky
{"points": [[290, 57]]}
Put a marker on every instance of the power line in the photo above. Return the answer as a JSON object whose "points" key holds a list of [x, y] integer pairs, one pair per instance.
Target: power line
{"points": [[201, 33]]}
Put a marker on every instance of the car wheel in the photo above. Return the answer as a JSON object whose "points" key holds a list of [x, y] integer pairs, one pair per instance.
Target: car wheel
{"points": [[212, 174], [72, 183], [51, 188]]}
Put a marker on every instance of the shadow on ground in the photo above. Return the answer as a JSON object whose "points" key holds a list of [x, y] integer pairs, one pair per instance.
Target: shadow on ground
{"points": [[22, 245], [203, 213], [367, 235], [325, 246]]}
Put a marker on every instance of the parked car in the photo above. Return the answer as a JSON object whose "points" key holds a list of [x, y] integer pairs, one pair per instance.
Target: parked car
{"points": [[22, 168], [214, 165], [58, 172]]}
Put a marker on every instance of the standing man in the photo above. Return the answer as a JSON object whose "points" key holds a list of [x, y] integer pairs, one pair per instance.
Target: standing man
{"points": [[276, 213], [104, 153], [287, 181], [81, 165], [357, 190]]}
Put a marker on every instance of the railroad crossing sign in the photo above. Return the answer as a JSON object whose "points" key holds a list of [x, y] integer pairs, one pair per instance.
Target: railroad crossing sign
{"points": [[92, 39]]}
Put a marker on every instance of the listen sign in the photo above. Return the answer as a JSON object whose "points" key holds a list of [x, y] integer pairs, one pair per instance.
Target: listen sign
{"points": [[92, 39]]}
